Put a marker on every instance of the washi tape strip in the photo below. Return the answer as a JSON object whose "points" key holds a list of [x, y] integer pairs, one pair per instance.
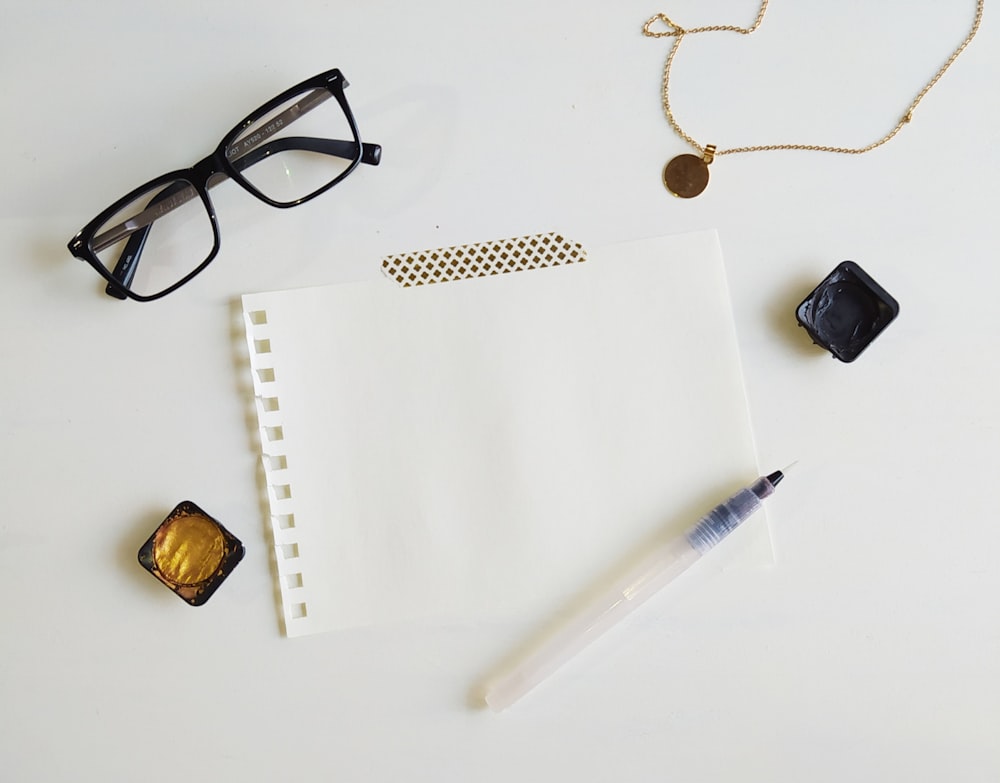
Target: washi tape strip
{"points": [[461, 262]]}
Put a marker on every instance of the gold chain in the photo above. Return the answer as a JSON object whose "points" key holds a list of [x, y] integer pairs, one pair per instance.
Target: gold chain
{"points": [[677, 32]]}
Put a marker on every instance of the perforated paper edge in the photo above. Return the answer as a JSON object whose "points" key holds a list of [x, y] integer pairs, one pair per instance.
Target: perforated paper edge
{"points": [[279, 476]]}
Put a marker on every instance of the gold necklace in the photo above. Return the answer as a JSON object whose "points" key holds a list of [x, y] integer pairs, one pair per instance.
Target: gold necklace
{"points": [[687, 175]]}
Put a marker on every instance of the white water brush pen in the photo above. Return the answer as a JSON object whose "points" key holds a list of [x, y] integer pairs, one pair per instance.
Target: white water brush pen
{"points": [[654, 571]]}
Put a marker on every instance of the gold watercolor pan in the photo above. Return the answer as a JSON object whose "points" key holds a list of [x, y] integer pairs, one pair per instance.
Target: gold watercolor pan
{"points": [[191, 553]]}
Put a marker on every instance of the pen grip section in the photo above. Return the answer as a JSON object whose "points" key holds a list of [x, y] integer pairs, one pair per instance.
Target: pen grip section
{"points": [[726, 517]]}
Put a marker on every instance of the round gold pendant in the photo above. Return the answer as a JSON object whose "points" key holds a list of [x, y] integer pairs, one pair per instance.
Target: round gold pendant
{"points": [[686, 176]]}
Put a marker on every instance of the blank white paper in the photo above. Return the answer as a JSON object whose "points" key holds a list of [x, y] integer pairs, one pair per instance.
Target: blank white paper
{"points": [[483, 449]]}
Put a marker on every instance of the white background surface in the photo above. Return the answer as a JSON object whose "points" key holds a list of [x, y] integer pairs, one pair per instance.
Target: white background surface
{"points": [[871, 650]]}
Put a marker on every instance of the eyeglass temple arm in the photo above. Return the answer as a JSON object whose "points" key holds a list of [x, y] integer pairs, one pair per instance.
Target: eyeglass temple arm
{"points": [[370, 153], [242, 146], [124, 271]]}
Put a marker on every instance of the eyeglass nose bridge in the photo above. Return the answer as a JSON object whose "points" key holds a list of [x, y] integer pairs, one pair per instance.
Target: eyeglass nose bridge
{"points": [[201, 176], [204, 175], [202, 172]]}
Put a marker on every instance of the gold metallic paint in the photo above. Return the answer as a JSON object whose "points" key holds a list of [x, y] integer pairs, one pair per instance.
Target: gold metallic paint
{"points": [[188, 549]]}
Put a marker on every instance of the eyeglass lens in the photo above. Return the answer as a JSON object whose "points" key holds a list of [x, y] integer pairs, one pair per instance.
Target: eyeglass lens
{"points": [[157, 239], [297, 149]]}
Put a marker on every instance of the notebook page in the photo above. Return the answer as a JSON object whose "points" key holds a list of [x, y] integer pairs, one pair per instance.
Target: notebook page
{"points": [[481, 449]]}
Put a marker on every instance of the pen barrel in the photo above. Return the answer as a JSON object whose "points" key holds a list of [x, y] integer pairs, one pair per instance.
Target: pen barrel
{"points": [[726, 517], [604, 609], [625, 593]]}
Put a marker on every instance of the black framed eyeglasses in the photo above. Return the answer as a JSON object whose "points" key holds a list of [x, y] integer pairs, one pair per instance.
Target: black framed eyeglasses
{"points": [[290, 150]]}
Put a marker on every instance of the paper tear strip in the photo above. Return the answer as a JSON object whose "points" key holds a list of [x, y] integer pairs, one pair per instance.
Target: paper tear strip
{"points": [[275, 464]]}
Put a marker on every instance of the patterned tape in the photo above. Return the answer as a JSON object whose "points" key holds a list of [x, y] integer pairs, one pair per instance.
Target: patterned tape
{"points": [[461, 262]]}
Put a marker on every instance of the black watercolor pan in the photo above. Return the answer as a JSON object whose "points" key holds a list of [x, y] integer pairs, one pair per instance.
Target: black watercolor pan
{"points": [[846, 311]]}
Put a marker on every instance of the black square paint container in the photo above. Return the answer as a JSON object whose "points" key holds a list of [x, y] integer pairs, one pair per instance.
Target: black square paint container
{"points": [[846, 311]]}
